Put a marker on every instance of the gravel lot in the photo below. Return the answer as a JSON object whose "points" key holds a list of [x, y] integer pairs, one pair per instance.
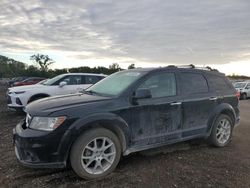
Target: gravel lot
{"points": [[182, 165]]}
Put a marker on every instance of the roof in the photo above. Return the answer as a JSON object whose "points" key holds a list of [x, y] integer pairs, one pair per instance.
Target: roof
{"points": [[184, 67], [87, 74]]}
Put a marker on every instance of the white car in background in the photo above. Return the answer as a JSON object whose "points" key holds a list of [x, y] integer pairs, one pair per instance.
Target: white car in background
{"points": [[243, 88], [19, 97]]}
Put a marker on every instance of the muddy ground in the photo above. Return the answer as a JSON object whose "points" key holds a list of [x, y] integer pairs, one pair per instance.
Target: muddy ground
{"points": [[182, 165]]}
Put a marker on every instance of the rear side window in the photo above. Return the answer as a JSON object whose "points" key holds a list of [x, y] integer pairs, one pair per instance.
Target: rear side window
{"points": [[91, 79], [218, 83], [192, 83]]}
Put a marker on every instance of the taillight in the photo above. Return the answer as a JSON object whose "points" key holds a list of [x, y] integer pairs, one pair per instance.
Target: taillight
{"points": [[238, 95]]}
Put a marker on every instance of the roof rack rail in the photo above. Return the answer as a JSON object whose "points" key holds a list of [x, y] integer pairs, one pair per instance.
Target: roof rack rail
{"points": [[191, 66]]}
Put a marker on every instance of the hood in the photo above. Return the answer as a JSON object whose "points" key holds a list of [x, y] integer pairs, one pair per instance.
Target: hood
{"points": [[25, 88], [239, 89], [62, 102]]}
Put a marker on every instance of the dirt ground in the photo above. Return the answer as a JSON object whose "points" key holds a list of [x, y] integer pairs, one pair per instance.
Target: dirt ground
{"points": [[182, 165]]}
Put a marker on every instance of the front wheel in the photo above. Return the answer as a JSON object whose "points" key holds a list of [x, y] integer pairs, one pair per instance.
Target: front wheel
{"points": [[95, 154], [222, 131], [244, 96]]}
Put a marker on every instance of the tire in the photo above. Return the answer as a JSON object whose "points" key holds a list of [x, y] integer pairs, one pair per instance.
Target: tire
{"points": [[85, 146], [222, 130], [244, 96]]}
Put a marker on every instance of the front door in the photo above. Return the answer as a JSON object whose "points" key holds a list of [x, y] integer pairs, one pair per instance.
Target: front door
{"points": [[157, 119], [73, 85]]}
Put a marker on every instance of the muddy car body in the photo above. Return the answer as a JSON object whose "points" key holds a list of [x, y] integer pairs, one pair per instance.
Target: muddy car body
{"points": [[153, 107]]}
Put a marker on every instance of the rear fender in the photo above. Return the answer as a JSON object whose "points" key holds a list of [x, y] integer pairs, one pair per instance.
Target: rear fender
{"points": [[223, 108]]}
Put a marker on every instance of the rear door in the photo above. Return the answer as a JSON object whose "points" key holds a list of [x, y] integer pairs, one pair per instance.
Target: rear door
{"points": [[157, 119], [198, 101], [224, 90]]}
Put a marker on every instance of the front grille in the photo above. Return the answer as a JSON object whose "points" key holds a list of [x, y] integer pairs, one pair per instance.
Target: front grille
{"points": [[8, 100]]}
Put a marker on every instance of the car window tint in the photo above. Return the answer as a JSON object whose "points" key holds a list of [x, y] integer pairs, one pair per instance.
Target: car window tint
{"points": [[161, 85], [192, 83], [91, 79], [72, 80], [218, 83]]}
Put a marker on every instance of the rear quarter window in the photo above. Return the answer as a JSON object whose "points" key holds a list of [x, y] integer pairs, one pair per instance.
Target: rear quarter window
{"points": [[192, 83], [219, 84]]}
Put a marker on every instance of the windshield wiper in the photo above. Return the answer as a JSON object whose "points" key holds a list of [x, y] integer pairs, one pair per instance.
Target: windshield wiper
{"points": [[90, 92]]}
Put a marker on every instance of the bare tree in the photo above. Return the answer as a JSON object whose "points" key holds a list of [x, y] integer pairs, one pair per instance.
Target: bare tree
{"points": [[115, 66], [44, 61]]}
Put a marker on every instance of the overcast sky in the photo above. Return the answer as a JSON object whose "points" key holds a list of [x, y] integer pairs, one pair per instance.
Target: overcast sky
{"points": [[145, 32]]}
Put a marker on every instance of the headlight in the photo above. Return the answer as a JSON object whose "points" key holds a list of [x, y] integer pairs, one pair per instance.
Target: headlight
{"points": [[19, 92], [46, 123]]}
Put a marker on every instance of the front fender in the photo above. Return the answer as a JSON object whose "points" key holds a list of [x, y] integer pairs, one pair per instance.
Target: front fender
{"points": [[107, 120]]}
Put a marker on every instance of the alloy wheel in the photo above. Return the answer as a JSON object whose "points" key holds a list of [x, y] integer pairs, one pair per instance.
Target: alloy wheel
{"points": [[223, 131], [98, 155]]}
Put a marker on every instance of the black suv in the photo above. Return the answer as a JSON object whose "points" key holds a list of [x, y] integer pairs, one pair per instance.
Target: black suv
{"points": [[129, 111]]}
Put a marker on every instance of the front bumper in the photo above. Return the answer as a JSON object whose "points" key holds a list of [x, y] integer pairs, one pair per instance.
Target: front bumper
{"points": [[40, 149], [14, 102]]}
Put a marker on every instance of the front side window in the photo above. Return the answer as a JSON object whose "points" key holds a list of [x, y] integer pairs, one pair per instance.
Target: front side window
{"points": [[161, 85], [72, 80], [53, 81], [192, 83]]}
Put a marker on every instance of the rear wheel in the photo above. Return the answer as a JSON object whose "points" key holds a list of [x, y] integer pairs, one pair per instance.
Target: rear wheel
{"points": [[95, 154], [222, 131]]}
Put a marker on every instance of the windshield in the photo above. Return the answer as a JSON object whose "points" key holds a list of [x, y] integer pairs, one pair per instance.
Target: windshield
{"points": [[239, 85], [52, 80], [115, 84]]}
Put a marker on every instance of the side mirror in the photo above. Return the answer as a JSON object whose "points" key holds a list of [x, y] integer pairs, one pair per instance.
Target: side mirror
{"points": [[142, 94], [61, 84]]}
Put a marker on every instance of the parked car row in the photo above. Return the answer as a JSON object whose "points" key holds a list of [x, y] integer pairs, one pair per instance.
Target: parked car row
{"points": [[19, 97], [24, 80], [29, 81], [129, 111]]}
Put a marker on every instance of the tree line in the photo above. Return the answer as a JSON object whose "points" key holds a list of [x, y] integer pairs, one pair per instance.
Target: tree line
{"points": [[11, 68]]}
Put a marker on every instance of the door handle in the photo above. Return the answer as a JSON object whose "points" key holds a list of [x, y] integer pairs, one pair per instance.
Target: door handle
{"points": [[175, 103], [213, 98]]}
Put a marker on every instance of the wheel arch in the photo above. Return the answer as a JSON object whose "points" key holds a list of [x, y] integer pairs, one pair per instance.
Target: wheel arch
{"points": [[108, 121], [223, 108], [37, 95]]}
